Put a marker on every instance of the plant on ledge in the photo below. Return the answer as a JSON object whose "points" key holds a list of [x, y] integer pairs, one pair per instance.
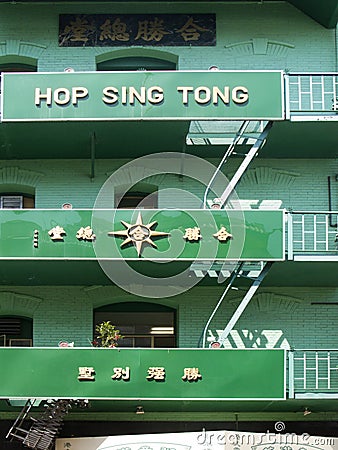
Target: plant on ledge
{"points": [[107, 335]]}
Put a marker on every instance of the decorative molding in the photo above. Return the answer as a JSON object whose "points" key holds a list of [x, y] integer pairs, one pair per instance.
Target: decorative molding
{"points": [[18, 304], [260, 46], [134, 175], [21, 48], [103, 55], [267, 175], [268, 302], [15, 175]]}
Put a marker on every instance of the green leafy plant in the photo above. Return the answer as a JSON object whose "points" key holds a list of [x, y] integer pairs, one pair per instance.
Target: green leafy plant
{"points": [[107, 335]]}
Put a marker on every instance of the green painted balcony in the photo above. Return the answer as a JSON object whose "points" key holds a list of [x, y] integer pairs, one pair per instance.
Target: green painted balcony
{"points": [[193, 383], [301, 99], [35, 245], [312, 236], [313, 374]]}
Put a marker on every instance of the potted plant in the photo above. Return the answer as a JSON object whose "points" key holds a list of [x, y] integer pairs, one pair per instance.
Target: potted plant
{"points": [[106, 335]]}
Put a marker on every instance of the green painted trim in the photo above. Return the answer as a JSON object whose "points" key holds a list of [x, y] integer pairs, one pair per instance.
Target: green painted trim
{"points": [[11, 177], [12, 303], [137, 52], [132, 306], [16, 51], [29, 63]]}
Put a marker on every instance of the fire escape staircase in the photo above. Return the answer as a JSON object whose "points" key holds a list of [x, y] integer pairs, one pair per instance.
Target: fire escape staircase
{"points": [[239, 271], [43, 430], [233, 271]]}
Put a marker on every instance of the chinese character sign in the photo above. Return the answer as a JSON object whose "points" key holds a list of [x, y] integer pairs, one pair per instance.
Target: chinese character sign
{"points": [[134, 235], [137, 374], [94, 30]]}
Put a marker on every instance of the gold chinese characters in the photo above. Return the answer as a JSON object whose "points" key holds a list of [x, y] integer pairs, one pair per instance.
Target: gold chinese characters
{"points": [[157, 374], [86, 374], [135, 29], [222, 235], [85, 234], [57, 233], [121, 374], [192, 234], [137, 234]]}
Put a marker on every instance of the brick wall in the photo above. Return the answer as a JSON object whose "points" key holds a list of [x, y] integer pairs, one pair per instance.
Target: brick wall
{"points": [[299, 184], [275, 317], [249, 36]]}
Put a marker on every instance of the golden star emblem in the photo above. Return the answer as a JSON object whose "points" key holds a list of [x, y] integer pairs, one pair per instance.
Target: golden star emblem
{"points": [[138, 234]]}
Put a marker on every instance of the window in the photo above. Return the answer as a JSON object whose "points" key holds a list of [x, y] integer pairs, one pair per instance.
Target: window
{"points": [[133, 200], [16, 331], [143, 195], [136, 63], [16, 201], [141, 324], [17, 67]]}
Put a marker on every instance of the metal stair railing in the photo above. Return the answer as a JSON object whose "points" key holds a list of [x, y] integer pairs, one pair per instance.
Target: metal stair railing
{"points": [[259, 142], [237, 273], [43, 431]]}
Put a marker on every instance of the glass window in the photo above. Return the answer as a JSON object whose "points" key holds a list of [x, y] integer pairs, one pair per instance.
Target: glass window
{"points": [[16, 201], [143, 195], [136, 63], [133, 200], [17, 67], [153, 327], [16, 331]]}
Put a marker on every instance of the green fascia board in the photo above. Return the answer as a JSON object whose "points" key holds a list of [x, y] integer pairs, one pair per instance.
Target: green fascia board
{"points": [[143, 96], [137, 374], [121, 234]]}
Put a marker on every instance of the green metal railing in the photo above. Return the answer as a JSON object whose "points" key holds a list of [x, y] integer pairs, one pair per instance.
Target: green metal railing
{"points": [[313, 372], [312, 233], [313, 92]]}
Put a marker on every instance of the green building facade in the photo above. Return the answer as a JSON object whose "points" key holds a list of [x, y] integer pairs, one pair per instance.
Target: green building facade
{"points": [[170, 167]]}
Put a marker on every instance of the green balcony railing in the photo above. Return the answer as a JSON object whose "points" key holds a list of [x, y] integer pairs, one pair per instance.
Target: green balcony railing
{"points": [[312, 234], [313, 372], [306, 94], [313, 93]]}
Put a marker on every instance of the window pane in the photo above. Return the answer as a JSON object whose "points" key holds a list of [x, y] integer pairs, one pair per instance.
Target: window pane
{"points": [[141, 328], [164, 341], [143, 341], [137, 199], [126, 342]]}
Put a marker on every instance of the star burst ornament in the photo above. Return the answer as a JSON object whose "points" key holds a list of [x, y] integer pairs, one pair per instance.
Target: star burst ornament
{"points": [[138, 234]]}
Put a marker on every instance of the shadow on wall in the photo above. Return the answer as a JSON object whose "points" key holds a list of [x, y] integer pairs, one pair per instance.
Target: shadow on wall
{"points": [[252, 339]]}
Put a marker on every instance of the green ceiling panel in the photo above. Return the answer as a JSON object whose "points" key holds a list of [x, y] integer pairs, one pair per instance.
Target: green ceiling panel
{"points": [[325, 12]]}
